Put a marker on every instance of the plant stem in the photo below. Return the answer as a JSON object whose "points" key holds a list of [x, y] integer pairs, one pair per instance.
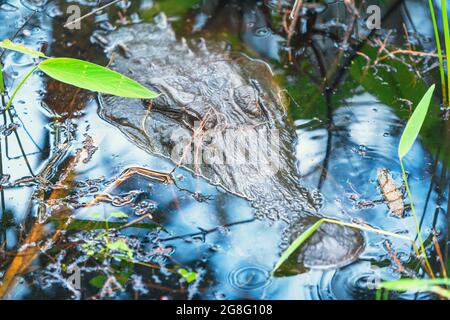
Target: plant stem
{"points": [[413, 210], [8, 106], [446, 38], [2, 84], [439, 52], [370, 229]]}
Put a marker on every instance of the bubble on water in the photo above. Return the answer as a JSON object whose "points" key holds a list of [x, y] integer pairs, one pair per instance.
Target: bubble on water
{"points": [[249, 278], [262, 32]]}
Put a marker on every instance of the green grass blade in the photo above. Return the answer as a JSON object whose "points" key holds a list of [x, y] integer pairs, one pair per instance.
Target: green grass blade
{"points": [[418, 285], [8, 44], [93, 77], [2, 83], [413, 284], [297, 243], [446, 37], [439, 51], [414, 124]]}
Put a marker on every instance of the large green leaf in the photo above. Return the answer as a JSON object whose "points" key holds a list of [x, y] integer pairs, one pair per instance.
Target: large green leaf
{"points": [[297, 243], [414, 124], [8, 44], [93, 77]]}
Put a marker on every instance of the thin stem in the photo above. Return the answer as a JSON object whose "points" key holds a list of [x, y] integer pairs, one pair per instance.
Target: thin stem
{"points": [[439, 52], [413, 210], [2, 84], [370, 229], [446, 38], [8, 106]]}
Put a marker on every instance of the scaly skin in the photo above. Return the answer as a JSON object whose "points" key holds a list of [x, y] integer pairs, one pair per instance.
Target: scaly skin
{"points": [[210, 99]]}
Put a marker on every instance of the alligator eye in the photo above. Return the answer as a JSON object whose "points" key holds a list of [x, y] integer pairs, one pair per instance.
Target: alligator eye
{"points": [[246, 98]]}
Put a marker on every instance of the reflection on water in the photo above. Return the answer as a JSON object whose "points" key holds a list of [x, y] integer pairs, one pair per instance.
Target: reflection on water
{"points": [[195, 225]]}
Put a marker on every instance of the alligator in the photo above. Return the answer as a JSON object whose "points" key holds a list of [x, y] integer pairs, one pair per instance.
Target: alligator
{"points": [[222, 116]]}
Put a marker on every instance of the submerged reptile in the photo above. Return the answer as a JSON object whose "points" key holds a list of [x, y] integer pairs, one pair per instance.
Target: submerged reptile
{"points": [[222, 116]]}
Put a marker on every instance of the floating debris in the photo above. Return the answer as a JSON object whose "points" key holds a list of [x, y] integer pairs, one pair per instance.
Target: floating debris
{"points": [[392, 195]]}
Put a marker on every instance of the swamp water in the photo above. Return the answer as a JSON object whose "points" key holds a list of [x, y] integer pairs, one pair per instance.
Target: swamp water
{"points": [[346, 131]]}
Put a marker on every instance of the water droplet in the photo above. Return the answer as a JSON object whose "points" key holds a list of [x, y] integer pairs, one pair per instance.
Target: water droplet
{"points": [[262, 32], [249, 278]]}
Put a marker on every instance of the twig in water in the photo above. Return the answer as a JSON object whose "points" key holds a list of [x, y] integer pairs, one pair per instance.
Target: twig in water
{"points": [[441, 257]]}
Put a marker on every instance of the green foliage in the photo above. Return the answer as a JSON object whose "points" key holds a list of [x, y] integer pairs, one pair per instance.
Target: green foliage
{"points": [[98, 281], [172, 8], [118, 215], [297, 243], [8, 44], [417, 285], [414, 124], [115, 214], [439, 50], [189, 276], [93, 77], [446, 39], [82, 74], [2, 83], [407, 139], [119, 248]]}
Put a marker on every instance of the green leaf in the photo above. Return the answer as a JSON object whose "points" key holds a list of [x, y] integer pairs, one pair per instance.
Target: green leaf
{"points": [[94, 215], [8, 44], [93, 77], [98, 281], [413, 284], [189, 276], [119, 215], [120, 246], [297, 243], [414, 124]]}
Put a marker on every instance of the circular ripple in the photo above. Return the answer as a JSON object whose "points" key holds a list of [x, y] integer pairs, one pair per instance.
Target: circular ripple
{"points": [[249, 278]]}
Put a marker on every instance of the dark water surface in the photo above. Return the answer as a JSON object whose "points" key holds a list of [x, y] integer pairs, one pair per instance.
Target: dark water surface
{"points": [[347, 129]]}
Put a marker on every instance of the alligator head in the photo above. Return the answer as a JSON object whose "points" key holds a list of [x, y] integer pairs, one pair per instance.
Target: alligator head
{"points": [[219, 115]]}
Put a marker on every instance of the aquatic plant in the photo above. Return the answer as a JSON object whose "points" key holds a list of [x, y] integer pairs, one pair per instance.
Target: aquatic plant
{"points": [[407, 139], [416, 285], [444, 84], [80, 73]]}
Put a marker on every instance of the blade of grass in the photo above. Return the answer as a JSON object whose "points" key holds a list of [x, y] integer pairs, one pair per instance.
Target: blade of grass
{"points": [[440, 255], [439, 52], [297, 243], [413, 284], [409, 136], [8, 44], [446, 38], [418, 285], [416, 222], [19, 86], [414, 124], [306, 234], [2, 83]]}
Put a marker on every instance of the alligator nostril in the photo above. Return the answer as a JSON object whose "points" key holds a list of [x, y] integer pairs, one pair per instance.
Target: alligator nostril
{"points": [[246, 98]]}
